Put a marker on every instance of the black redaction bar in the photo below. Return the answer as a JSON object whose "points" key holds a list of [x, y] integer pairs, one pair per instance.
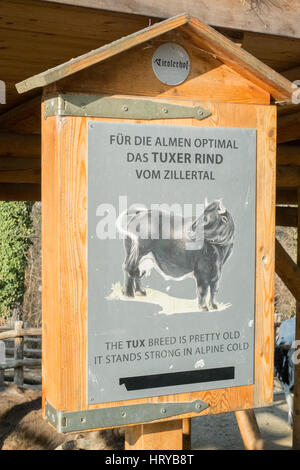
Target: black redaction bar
{"points": [[177, 378]]}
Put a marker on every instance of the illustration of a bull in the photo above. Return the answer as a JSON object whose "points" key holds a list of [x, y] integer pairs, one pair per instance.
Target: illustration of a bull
{"points": [[193, 252]]}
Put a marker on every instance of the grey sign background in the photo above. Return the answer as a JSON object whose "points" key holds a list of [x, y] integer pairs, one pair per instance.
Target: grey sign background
{"points": [[117, 321]]}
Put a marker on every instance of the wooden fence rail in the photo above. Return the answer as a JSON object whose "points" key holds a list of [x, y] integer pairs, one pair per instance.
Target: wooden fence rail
{"points": [[22, 357]]}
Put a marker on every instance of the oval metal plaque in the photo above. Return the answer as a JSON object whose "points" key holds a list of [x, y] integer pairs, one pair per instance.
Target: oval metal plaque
{"points": [[171, 63]]}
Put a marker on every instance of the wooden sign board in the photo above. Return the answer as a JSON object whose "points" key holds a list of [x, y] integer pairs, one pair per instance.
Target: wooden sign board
{"points": [[196, 335]]}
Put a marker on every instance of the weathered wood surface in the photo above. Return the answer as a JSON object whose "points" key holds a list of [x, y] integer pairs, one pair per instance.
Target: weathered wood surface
{"points": [[20, 363], [102, 53], [20, 113], [240, 60], [286, 196], [20, 332], [20, 170], [155, 436], [288, 127], [263, 17], [31, 353], [287, 216], [265, 255], [209, 79], [64, 260], [296, 411], [287, 270], [202, 36], [20, 192], [42, 36], [288, 176], [20, 146], [288, 154], [280, 53], [19, 355], [292, 74], [249, 429]]}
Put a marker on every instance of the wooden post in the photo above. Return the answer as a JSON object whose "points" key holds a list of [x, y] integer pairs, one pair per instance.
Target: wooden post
{"points": [[186, 433], [249, 429], [19, 354], [167, 435], [296, 423], [2, 359]]}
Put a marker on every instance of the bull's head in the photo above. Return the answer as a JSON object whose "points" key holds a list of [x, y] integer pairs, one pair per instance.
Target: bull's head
{"points": [[214, 225], [218, 224]]}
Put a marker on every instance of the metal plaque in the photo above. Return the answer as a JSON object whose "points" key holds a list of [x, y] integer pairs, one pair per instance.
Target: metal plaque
{"points": [[171, 259], [171, 63]]}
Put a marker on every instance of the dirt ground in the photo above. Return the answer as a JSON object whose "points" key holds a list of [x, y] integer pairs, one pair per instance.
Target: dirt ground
{"points": [[23, 428]]}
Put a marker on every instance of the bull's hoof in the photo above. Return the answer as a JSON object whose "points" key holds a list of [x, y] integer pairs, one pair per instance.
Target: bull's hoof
{"points": [[203, 308], [128, 293], [214, 306], [141, 292]]}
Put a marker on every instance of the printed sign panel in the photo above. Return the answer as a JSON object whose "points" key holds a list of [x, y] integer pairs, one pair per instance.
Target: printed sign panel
{"points": [[171, 259]]}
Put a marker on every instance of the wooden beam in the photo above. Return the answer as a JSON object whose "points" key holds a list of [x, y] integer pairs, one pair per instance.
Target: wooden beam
{"points": [[166, 435], [20, 192], [20, 170], [11, 118], [288, 154], [288, 176], [287, 216], [292, 74], [287, 270], [296, 411], [262, 18], [288, 127], [20, 146], [286, 197], [249, 429]]}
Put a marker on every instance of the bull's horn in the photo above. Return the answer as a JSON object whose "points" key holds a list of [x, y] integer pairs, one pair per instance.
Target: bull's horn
{"points": [[222, 209], [205, 202]]}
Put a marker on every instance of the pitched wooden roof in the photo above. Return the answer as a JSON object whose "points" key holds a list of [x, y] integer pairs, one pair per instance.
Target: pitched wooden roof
{"points": [[202, 35]]}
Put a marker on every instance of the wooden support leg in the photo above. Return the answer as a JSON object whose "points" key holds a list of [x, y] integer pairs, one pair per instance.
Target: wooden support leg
{"points": [[19, 354], [296, 413], [186, 433], [249, 429], [167, 435]]}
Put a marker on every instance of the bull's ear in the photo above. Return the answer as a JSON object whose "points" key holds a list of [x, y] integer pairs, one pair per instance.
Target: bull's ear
{"points": [[193, 229]]}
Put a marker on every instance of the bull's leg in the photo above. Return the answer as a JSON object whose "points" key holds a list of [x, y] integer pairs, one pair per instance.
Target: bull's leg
{"points": [[128, 285], [129, 269], [138, 286], [214, 287], [202, 290]]}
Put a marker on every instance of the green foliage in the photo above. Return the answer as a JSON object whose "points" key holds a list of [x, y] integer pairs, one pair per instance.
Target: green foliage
{"points": [[15, 231]]}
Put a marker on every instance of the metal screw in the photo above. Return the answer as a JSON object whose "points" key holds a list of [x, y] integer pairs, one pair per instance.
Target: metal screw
{"points": [[123, 414], [124, 108], [199, 112], [165, 110], [163, 410], [198, 406]]}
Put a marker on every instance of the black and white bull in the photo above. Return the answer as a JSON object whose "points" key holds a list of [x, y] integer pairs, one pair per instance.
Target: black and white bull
{"points": [[200, 249]]}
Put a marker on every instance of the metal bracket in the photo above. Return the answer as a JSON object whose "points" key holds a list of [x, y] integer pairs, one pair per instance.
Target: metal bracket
{"points": [[123, 108], [68, 421]]}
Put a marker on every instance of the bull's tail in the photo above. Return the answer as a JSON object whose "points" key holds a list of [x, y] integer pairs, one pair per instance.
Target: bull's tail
{"points": [[124, 220], [122, 223]]}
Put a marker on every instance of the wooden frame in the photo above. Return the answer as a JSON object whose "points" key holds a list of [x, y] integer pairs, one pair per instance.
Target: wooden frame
{"points": [[64, 195]]}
